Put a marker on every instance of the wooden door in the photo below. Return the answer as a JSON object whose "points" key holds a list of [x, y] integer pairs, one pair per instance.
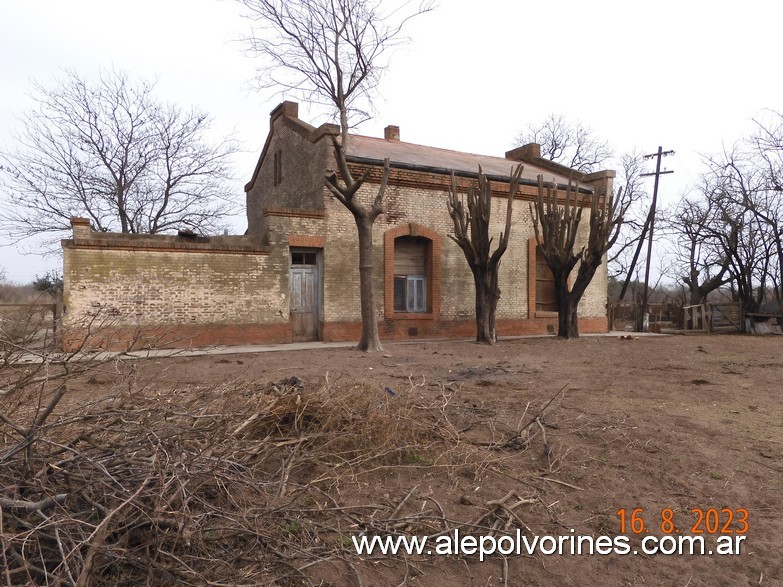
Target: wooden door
{"points": [[304, 302]]}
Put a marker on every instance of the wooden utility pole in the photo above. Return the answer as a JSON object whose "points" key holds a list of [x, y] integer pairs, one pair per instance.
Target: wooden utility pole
{"points": [[651, 220]]}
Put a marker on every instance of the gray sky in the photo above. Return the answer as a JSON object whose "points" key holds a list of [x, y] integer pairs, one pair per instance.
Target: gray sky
{"points": [[687, 75]]}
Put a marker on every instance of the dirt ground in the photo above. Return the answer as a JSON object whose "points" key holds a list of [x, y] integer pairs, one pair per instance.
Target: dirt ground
{"points": [[679, 422]]}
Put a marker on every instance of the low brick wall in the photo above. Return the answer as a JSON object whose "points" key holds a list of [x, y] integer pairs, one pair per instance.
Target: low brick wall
{"points": [[167, 291]]}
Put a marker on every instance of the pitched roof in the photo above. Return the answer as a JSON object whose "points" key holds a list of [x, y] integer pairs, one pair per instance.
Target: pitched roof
{"points": [[443, 160], [771, 307], [373, 150]]}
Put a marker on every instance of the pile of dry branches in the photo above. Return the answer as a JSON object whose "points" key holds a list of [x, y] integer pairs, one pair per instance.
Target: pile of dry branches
{"points": [[244, 483]]}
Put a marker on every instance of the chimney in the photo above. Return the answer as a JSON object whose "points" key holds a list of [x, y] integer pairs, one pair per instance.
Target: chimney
{"points": [[81, 229], [287, 109], [391, 133], [525, 152]]}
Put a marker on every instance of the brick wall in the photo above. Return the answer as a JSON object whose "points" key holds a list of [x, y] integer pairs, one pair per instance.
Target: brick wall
{"points": [[426, 206], [176, 290], [303, 153]]}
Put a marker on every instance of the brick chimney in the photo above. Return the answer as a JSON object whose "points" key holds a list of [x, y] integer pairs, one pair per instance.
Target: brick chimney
{"points": [[391, 133], [287, 109], [525, 152], [81, 229]]}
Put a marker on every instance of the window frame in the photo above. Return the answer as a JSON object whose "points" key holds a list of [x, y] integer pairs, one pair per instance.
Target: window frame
{"points": [[411, 304], [277, 168], [542, 306], [432, 272], [532, 283]]}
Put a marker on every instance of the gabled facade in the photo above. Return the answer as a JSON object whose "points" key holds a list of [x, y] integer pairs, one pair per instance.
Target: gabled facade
{"points": [[294, 275]]}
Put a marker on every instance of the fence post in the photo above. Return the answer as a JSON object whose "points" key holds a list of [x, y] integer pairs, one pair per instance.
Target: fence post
{"points": [[742, 316], [57, 318]]}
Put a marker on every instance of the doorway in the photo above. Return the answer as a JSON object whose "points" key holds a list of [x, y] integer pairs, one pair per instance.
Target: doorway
{"points": [[305, 290]]}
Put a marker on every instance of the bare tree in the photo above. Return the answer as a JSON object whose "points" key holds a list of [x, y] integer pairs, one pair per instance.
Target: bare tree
{"points": [[576, 146], [749, 203], [333, 52], [556, 227], [471, 233], [109, 151], [568, 143], [346, 193], [767, 206], [748, 250], [634, 228], [703, 238]]}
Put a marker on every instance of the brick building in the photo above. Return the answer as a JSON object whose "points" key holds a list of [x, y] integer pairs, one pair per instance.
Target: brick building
{"points": [[294, 274]]}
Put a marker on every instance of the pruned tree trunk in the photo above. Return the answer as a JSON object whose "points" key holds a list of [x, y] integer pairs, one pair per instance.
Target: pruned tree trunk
{"points": [[487, 296], [567, 316], [556, 227], [471, 233]]}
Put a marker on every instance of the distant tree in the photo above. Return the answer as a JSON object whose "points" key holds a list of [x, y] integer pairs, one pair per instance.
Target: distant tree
{"points": [[50, 282], [749, 201], [471, 233], [3, 275], [332, 52], [767, 203], [556, 226], [111, 152], [703, 239], [569, 143]]}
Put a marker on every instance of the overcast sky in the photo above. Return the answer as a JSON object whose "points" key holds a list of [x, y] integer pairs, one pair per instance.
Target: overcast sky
{"points": [[686, 75]]}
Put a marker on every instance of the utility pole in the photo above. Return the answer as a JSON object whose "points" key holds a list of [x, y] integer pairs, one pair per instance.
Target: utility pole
{"points": [[651, 219]]}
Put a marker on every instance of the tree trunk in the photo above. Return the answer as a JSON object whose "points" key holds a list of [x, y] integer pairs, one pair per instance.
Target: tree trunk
{"points": [[370, 340], [779, 250], [493, 306], [486, 303], [567, 303], [568, 319]]}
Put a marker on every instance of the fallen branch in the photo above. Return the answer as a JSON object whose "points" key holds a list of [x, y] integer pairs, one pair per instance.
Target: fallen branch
{"points": [[32, 506]]}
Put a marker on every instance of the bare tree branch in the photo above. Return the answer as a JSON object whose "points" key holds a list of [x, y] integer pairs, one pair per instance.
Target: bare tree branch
{"points": [[110, 152], [568, 143]]}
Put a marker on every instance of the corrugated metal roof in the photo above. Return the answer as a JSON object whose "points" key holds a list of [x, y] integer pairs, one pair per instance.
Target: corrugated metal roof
{"points": [[770, 307], [411, 154]]}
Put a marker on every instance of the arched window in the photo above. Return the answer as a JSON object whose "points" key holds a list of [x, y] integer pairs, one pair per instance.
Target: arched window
{"points": [[411, 260], [411, 273]]}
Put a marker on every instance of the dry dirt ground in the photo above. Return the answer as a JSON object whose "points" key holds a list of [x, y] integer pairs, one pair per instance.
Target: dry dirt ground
{"points": [[541, 435]]}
